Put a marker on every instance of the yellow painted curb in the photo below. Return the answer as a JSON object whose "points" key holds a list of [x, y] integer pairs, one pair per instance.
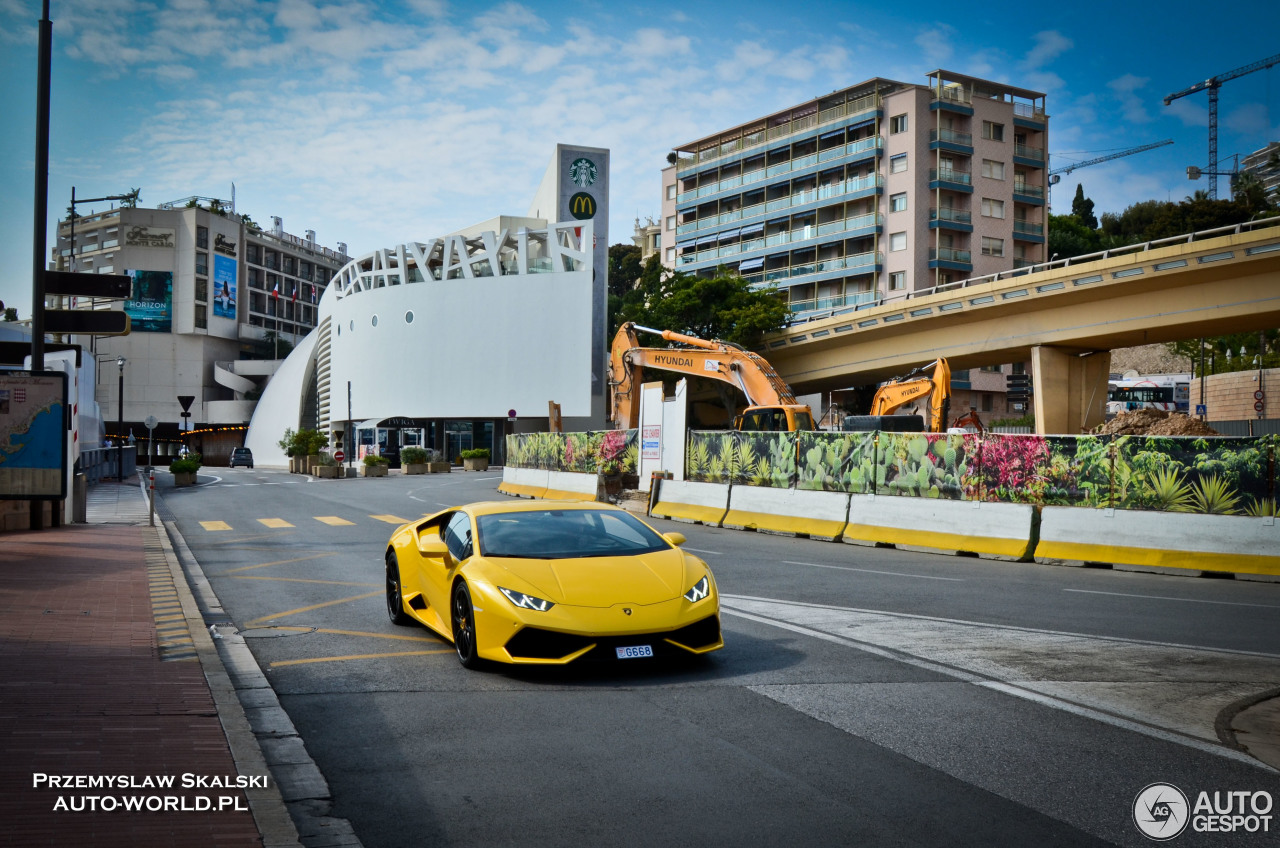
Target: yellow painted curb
{"points": [[689, 512], [990, 545], [1192, 560], [783, 523], [521, 490]]}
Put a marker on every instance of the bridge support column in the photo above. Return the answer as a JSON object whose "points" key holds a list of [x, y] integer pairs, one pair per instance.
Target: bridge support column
{"points": [[1069, 388]]}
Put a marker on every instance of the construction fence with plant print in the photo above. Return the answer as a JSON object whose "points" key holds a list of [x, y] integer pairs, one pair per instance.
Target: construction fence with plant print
{"points": [[1224, 476], [608, 452]]}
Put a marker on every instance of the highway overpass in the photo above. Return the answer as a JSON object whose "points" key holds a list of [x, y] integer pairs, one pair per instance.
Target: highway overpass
{"points": [[1064, 317]]}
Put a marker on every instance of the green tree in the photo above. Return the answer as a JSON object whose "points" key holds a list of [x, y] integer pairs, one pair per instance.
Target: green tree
{"points": [[1068, 237], [625, 268], [1082, 208], [723, 306]]}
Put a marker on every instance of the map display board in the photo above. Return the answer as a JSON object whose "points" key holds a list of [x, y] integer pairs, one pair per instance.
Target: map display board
{"points": [[33, 434]]}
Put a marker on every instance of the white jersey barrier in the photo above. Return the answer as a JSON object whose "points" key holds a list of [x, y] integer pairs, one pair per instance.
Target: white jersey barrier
{"points": [[570, 486], [523, 482], [1236, 543], [787, 511], [693, 503], [995, 530]]}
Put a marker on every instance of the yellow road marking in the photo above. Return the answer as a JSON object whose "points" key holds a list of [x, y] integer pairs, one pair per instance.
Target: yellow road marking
{"points": [[282, 663], [313, 607], [335, 521], [280, 562], [303, 580], [215, 525], [359, 633], [274, 523], [390, 519]]}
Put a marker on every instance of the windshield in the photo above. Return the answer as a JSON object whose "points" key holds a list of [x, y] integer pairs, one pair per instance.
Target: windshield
{"points": [[566, 534]]}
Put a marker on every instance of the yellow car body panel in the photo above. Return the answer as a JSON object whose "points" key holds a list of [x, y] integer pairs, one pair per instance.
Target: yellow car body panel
{"points": [[595, 600]]}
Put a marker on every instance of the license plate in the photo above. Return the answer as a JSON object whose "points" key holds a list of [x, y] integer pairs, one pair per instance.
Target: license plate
{"points": [[634, 652]]}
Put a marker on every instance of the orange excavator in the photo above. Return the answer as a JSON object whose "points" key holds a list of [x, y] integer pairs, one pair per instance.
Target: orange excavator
{"points": [[771, 405], [932, 381]]}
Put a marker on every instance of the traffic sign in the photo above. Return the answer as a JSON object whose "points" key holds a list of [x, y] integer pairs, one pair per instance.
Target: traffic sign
{"points": [[88, 285], [339, 455], [1259, 395], [1259, 405], [88, 322], [1202, 409], [151, 422]]}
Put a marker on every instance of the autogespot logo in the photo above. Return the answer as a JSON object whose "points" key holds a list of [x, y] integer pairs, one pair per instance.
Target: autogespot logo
{"points": [[1160, 811]]}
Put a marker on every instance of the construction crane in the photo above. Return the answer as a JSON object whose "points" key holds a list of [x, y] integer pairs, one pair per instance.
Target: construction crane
{"points": [[1212, 84], [1054, 177]]}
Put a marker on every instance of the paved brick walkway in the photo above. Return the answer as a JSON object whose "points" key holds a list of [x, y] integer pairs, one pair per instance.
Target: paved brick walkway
{"points": [[86, 691]]}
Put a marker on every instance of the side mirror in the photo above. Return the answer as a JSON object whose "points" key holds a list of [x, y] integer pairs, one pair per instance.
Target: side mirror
{"points": [[676, 539], [432, 546]]}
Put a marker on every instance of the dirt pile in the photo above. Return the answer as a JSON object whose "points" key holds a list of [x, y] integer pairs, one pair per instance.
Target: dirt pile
{"points": [[1153, 422]]}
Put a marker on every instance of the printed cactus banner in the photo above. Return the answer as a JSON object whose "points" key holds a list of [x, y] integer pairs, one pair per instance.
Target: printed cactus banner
{"points": [[929, 465], [742, 458], [608, 451], [836, 462], [1056, 470]]}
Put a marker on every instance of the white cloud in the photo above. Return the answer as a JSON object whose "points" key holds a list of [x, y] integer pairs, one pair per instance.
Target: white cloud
{"points": [[1126, 89], [937, 45], [1049, 45]]}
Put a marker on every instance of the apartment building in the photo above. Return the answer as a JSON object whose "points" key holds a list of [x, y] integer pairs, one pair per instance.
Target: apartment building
{"points": [[212, 294], [872, 193]]}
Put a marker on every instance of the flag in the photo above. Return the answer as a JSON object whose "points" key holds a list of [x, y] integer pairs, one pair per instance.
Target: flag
{"points": [[294, 297], [275, 292], [313, 294]]}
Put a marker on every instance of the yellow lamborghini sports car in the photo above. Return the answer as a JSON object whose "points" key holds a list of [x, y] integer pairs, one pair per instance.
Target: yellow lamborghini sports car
{"points": [[535, 582]]}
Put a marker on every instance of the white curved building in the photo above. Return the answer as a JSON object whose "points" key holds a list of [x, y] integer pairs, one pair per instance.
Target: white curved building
{"points": [[460, 327]]}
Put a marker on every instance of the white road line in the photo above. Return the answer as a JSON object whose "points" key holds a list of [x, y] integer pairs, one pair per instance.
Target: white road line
{"points": [[1165, 598], [872, 571], [701, 551]]}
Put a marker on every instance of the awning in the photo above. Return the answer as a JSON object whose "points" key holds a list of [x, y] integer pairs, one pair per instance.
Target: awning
{"points": [[830, 135], [685, 245], [751, 264], [728, 234], [752, 230], [867, 123], [705, 240]]}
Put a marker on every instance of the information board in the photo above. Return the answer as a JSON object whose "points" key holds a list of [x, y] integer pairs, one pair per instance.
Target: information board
{"points": [[33, 434]]}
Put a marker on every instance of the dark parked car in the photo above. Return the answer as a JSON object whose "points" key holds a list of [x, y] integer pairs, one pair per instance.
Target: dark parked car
{"points": [[242, 456]]}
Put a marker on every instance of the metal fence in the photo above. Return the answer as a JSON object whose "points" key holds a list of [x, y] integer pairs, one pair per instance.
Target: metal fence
{"points": [[1247, 427]]}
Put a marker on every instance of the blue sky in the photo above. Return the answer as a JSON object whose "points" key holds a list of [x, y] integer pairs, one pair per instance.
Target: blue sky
{"points": [[374, 123]]}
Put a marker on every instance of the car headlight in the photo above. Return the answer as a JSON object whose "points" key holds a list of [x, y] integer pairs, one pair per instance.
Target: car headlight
{"points": [[699, 591], [524, 601]]}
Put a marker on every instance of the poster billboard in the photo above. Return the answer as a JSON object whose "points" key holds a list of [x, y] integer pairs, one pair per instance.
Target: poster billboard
{"points": [[224, 287], [150, 308], [33, 434]]}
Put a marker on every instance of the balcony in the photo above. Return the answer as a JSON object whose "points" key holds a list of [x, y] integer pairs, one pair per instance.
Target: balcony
{"points": [[1024, 154], [950, 258], [1028, 231], [1023, 193], [947, 218], [956, 142], [823, 304], [1028, 115], [950, 179], [867, 146], [859, 263], [952, 99]]}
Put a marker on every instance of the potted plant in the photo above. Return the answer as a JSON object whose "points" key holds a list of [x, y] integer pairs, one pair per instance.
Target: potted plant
{"points": [[286, 444], [307, 445], [414, 460], [326, 467], [377, 466], [476, 459], [184, 469]]}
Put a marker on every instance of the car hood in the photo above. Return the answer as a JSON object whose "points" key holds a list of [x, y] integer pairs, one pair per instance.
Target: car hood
{"points": [[600, 581]]}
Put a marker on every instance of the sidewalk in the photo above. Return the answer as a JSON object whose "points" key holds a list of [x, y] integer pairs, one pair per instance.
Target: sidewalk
{"points": [[110, 727]]}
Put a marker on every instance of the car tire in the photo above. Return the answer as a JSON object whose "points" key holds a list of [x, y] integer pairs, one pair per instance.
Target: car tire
{"points": [[395, 597], [462, 617]]}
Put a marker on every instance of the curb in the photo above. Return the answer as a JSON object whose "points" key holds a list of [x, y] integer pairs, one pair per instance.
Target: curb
{"points": [[293, 809]]}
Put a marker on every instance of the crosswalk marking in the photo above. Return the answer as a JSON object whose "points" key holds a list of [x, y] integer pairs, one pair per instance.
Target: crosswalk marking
{"points": [[335, 521], [390, 519], [275, 523], [215, 525], [280, 523]]}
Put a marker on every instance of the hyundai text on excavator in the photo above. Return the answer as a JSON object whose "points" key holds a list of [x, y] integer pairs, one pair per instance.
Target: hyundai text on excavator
{"points": [[932, 380], [771, 405]]}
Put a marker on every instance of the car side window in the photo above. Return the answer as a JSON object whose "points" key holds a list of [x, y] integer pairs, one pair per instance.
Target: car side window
{"points": [[457, 536]]}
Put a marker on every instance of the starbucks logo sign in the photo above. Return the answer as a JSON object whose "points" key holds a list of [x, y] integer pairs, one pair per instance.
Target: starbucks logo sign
{"points": [[583, 172]]}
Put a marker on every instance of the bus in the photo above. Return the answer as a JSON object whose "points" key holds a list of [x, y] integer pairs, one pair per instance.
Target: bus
{"points": [[1165, 392]]}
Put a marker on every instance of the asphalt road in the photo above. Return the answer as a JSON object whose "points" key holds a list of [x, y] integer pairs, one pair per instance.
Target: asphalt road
{"points": [[864, 696]]}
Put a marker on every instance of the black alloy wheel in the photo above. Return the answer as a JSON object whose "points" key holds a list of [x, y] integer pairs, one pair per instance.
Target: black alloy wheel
{"points": [[395, 598], [464, 627]]}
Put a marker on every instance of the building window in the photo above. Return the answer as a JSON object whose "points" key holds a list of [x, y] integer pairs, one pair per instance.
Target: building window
{"points": [[986, 402], [991, 369], [671, 222], [993, 169], [201, 317], [251, 254], [898, 164], [671, 192], [897, 241], [992, 208], [898, 124], [202, 237], [897, 280], [202, 289], [202, 263], [898, 202], [992, 246], [993, 131]]}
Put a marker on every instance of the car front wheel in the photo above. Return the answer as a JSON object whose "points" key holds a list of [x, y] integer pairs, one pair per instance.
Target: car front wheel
{"points": [[395, 596], [464, 627]]}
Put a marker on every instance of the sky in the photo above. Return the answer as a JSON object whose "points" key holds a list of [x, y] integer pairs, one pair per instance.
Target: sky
{"points": [[376, 123]]}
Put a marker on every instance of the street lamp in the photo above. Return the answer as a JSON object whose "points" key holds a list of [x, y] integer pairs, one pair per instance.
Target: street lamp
{"points": [[120, 361]]}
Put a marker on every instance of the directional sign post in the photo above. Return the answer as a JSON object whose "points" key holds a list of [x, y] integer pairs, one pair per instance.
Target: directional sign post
{"points": [[87, 322]]}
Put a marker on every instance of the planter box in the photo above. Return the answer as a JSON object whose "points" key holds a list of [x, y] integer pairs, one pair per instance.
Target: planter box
{"points": [[375, 471], [478, 464], [327, 472], [415, 468], [184, 478], [439, 467]]}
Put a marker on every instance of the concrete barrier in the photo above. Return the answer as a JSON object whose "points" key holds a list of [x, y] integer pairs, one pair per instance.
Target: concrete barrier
{"points": [[693, 503], [523, 482], [995, 530], [570, 486], [820, 515], [1173, 540]]}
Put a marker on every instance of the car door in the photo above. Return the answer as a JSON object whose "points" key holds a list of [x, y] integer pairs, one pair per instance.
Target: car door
{"points": [[455, 532]]}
